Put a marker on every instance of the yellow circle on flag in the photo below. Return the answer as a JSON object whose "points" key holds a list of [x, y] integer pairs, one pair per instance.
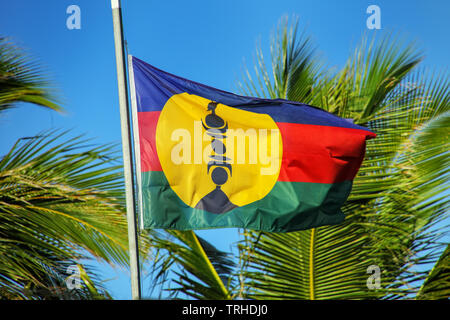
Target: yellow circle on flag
{"points": [[212, 153]]}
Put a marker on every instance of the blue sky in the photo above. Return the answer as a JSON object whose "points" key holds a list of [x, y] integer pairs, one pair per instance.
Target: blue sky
{"points": [[206, 41]]}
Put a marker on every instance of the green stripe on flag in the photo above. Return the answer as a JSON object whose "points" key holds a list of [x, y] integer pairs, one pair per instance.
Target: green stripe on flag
{"points": [[289, 206]]}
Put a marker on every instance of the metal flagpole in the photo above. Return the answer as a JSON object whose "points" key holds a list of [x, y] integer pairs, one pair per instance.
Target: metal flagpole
{"points": [[127, 151]]}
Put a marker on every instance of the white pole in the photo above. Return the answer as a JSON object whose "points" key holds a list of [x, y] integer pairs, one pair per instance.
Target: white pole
{"points": [[126, 150]]}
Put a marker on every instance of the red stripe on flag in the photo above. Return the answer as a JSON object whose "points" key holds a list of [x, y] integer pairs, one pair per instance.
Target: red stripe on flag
{"points": [[311, 153], [321, 154], [147, 131]]}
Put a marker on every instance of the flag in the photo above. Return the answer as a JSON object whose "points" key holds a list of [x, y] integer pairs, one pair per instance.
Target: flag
{"points": [[207, 158]]}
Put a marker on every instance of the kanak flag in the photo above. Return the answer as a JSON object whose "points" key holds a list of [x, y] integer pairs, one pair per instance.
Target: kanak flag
{"points": [[207, 158]]}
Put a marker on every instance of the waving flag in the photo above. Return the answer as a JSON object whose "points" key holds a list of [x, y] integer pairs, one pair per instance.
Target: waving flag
{"points": [[207, 158]]}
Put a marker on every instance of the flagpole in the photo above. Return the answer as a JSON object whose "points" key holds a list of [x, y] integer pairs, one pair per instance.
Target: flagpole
{"points": [[126, 150]]}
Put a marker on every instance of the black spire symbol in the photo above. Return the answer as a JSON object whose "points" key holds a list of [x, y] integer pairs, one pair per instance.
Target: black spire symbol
{"points": [[217, 201]]}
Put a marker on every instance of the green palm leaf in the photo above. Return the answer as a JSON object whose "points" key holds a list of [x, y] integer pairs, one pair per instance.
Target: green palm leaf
{"points": [[296, 67], [437, 283], [59, 201], [197, 268], [22, 80]]}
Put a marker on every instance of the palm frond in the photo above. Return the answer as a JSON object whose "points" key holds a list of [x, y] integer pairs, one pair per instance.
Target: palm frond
{"points": [[395, 212], [198, 269], [22, 80], [437, 283], [59, 200], [295, 67], [310, 264], [367, 84]]}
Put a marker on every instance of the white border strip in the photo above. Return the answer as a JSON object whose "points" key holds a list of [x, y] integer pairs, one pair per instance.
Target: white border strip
{"points": [[137, 146]]}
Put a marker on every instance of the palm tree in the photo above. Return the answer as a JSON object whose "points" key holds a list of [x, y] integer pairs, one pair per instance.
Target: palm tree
{"points": [[61, 199], [396, 215]]}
